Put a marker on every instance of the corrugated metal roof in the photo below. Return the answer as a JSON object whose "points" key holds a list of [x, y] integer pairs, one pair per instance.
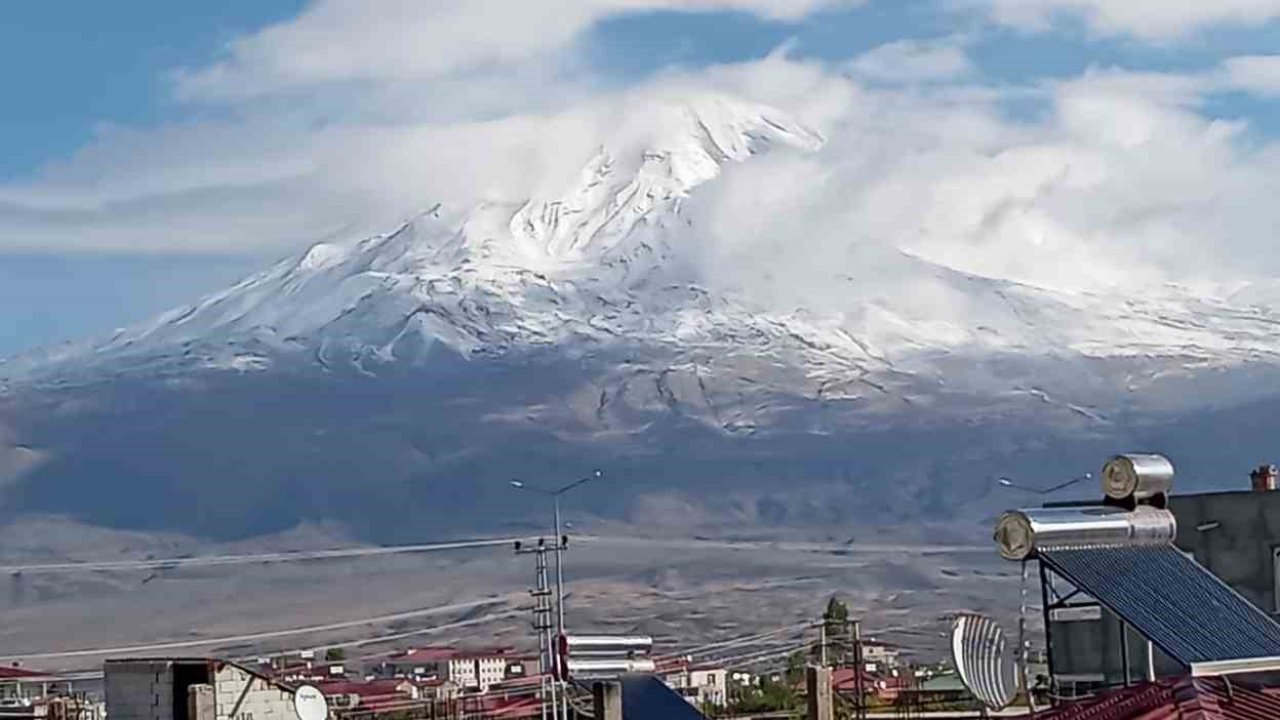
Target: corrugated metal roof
{"points": [[1173, 601], [1177, 699]]}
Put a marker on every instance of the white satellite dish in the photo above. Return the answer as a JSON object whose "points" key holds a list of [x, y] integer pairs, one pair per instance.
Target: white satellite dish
{"points": [[309, 703], [985, 660]]}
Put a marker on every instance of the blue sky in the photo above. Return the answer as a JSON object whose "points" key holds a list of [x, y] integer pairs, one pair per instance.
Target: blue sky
{"points": [[122, 193]]}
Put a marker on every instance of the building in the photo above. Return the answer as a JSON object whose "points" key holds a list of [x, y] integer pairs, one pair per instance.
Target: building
{"points": [[370, 695], [881, 656], [193, 689], [20, 687], [701, 685], [474, 669], [478, 669], [416, 663]]}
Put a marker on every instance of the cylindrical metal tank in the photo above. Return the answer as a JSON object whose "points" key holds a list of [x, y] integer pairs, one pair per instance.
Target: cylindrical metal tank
{"points": [[607, 668], [1021, 533], [1138, 476], [605, 645]]}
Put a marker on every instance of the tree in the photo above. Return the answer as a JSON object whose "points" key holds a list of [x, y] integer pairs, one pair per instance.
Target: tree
{"points": [[334, 655], [837, 612], [839, 633], [795, 668]]}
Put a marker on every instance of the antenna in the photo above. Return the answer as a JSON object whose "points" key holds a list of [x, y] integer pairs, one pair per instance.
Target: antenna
{"points": [[985, 660], [309, 703]]}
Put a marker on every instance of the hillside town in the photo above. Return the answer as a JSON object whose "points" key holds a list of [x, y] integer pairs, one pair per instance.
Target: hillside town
{"points": [[1183, 642], [639, 360]]}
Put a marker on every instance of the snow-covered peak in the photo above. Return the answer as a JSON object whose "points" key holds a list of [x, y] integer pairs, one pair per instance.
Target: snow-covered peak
{"points": [[495, 275], [604, 263], [624, 198]]}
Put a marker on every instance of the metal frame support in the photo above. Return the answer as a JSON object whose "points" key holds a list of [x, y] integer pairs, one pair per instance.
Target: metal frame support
{"points": [[607, 700], [1045, 581], [1124, 651]]}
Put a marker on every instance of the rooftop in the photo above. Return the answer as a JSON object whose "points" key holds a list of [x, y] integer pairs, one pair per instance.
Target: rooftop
{"points": [[437, 654], [8, 672], [1175, 699]]}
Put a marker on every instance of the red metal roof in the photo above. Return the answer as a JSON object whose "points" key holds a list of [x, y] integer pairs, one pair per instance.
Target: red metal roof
{"points": [[1177, 699], [846, 680], [494, 707], [8, 672], [432, 654], [363, 688]]}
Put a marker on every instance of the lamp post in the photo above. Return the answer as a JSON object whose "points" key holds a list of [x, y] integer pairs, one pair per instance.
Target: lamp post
{"points": [[555, 499], [1003, 481]]}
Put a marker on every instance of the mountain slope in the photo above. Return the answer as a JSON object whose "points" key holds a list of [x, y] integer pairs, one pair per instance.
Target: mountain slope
{"points": [[414, 372]]}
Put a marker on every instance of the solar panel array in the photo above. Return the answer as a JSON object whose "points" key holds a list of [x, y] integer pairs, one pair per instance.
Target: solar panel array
{"points": [[1172, 600]]}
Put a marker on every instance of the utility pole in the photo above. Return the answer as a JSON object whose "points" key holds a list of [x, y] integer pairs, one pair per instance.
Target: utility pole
{"points": [[555, 660], [561, 544], [858, 666], [822, 642], [542, 625], [818, 690]]}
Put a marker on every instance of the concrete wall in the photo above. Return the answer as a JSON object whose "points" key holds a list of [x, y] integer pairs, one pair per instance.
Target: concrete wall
{"points": [[1234, 535], [265, 700], [139, 690], [144, 690]]}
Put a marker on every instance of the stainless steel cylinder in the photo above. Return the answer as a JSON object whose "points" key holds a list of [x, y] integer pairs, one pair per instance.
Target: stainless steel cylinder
{"points": [[607, 668], [1021, 533], [606, 645], [1138, 476]]}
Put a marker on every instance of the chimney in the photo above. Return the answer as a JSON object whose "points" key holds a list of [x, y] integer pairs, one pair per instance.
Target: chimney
{"points": [[1265, 478]]}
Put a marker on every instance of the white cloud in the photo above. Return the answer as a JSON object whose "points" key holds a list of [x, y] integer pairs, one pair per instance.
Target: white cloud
{"points": [[1155, 20], [1121, 179], [907, 61], [343, 120], [1258, 74], [1124, 183], [351, 41]]}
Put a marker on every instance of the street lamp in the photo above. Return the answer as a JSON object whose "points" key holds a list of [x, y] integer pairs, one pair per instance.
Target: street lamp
{"points": [[1006, 482], [560, 540]]}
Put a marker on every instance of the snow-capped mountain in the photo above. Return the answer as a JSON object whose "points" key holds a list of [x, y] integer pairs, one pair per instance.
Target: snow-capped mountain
{"points": [[530, 336]]}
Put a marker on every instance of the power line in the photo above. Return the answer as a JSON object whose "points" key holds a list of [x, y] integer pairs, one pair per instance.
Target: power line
{"points": [[298, 556], [432, 630], [804, 547], [759, 657], [734, 642], [265, 635]]}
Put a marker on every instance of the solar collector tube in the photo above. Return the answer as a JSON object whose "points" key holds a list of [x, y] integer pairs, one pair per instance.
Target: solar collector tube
{"points": [[607, 668], [1020, 534], [606, 645]]}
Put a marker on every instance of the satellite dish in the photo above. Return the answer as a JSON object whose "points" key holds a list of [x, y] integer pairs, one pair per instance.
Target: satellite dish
{"points": [[985, 660], [309, 703]]}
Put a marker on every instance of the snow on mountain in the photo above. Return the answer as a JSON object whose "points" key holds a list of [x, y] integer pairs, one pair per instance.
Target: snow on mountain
{"points": [[604, 265], [580, 328]]}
